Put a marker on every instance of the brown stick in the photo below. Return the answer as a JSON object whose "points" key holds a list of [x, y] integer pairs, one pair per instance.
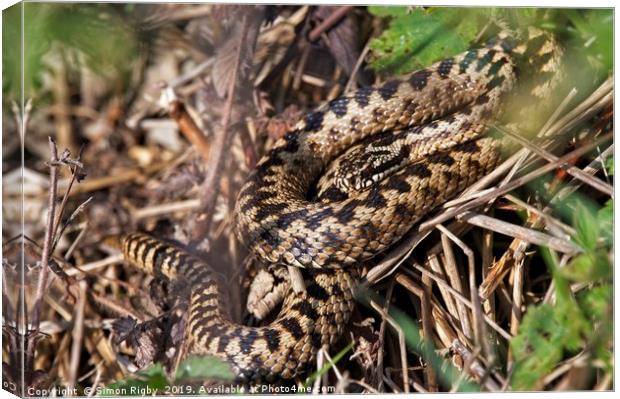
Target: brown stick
{"points": [[32, 335], [121, 176], [329, 22], [210, 186], [49, 230], [188, 127]]}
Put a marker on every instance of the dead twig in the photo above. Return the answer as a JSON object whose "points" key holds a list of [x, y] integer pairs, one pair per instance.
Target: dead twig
{"points": [[187, 126], [47, 241], [454, 278], [480, 331], [571, 170], [221, 140], [427, 322], [350, 83], [401, 342], [523, 233], [329, 22], [77, 337], [120, 177], [462, 299]]}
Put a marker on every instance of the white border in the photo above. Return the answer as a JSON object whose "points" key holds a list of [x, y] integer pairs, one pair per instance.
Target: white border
{"points": [[454, 3]]}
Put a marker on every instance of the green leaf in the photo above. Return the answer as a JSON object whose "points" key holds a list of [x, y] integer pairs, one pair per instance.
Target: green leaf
{"points": [[418, 37], [389, 11], [609, 165], [598, 302], [605, 218], [598, 33], [203, 368], [545, 333], [534, 348], [586, 226], [588, 267], [153, 379]]}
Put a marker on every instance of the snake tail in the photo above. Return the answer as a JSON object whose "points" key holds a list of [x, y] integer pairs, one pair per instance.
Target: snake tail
{"points": [[283, 349]]}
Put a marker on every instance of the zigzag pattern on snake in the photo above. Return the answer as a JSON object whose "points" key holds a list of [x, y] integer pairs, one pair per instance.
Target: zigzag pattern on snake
{"points": [[345, 184]]}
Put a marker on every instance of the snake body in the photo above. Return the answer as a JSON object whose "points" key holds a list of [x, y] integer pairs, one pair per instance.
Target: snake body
{"points": [[417, 141]]}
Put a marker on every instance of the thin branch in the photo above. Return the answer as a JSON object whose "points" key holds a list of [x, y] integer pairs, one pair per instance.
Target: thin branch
{"points": [[523, 233], [329, 22], [186, 124], [356, 68], [454, 279], [77, 337], [401, 342], [47, 243], [210, 186], [462, 299], [480, 331]]}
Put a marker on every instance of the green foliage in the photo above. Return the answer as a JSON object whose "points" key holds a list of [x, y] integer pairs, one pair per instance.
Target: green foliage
{"points": [[577, 322], [605, 217], [95, 33], [586, 226], [539, 345], [201, 368], [155, 380], [418, 37], [592, 31], [609, 166]]}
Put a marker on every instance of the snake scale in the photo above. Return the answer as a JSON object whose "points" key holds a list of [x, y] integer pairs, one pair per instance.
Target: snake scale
{"points": [[346, 183]]}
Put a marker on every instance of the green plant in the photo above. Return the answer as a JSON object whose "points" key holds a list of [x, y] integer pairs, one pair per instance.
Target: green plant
{"points": [[99, 37], [155, 381], [576, 322]]}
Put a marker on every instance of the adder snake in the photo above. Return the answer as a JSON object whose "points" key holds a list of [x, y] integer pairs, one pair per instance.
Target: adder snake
{"points": [[388, 155]]}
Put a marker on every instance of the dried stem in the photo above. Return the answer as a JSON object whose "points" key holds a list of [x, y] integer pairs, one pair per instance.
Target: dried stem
{"points": [[571, 170], [49, 232], [516, 183], [188, 127], [221, 141], [329, 22], [77, 337]]}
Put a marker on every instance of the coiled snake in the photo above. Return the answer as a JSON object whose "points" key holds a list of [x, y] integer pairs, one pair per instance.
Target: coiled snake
{"points": [[387, 155]]}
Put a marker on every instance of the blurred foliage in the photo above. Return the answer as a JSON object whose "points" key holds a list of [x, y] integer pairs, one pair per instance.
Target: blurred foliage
{"points": [[416, 37], [201, 368], [609, 166], [575, 322], [99, 36], [155, 380]]}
